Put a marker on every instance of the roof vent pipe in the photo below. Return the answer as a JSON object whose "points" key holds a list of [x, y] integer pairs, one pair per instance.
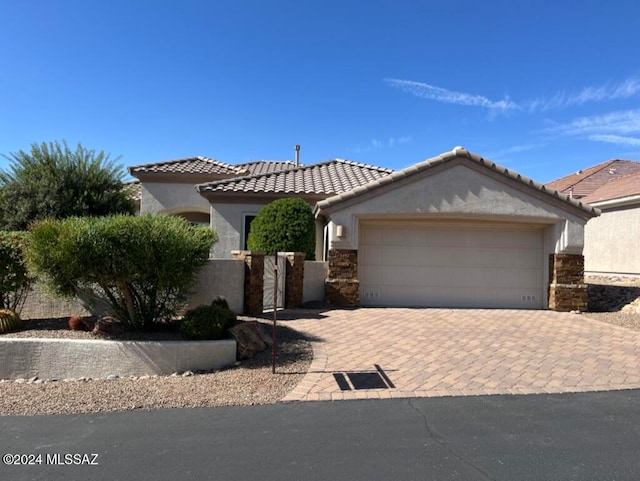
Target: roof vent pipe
{"points": [[297, 156]]}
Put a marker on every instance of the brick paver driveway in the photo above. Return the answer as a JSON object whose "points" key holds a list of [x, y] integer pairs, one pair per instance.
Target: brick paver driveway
{"points": [[382, 353]]}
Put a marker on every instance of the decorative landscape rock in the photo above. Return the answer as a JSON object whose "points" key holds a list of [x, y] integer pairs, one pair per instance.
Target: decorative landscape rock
{"points": [[107, 326], [251, 338], [610, 298]]}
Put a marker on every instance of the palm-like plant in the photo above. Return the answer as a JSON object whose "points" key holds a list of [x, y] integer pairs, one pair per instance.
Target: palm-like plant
{"points": [[54, 181]]}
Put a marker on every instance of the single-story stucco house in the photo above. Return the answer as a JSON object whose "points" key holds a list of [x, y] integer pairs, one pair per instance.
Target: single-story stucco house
{"points": [[611, 240], [455, 230], [228, 197]]}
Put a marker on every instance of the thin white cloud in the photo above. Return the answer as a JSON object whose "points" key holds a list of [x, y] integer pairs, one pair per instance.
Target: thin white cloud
{"points": [[616, 139], [390, 142], [623, 122], [513, 150], [560, 100], [439, 94], [377, 144], [563, 99]]}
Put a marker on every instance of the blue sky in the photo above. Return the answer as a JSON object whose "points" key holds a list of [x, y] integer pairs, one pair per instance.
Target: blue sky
{"points": [[542, 87]]}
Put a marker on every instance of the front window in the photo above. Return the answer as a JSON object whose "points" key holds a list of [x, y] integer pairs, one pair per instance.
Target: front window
{"points": [[246, 227]]}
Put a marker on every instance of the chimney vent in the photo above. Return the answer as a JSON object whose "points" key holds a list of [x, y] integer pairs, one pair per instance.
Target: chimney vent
{"points": [[297, 156]]}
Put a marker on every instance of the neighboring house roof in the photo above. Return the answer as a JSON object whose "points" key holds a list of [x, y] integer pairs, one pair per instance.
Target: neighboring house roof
{"points": [[258, 167], [585, 182], [192, 165], [323, 179], [133, 190], [456, 153], [616, 188]]}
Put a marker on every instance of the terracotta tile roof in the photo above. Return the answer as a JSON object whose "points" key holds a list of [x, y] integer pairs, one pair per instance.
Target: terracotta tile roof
{"points": [[191, 165], [457, 152], [326, 178], [616, 188], [266, 166], [585, 182]]}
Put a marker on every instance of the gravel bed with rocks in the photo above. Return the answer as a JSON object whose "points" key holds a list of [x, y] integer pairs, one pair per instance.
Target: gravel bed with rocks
{"points": [[249, 382], [614, 300]]}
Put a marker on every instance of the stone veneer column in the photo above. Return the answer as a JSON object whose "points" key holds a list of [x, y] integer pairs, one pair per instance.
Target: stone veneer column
{"points": [[567, 290], [342, 286], [294, 280], [253, 281]]}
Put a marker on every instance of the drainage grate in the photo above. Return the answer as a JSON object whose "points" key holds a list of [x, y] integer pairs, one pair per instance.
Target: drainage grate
{"points": [[357, 380]]}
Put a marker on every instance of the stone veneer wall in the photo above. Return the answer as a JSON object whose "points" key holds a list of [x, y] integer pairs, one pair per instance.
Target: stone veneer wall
{"points": [[567, 290], [253, 281], [342, 286], [294, 280]]}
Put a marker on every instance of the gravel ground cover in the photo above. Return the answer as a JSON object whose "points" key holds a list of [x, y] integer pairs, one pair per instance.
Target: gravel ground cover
{"points": [[615, 300], [612, 299], [250, 382]]}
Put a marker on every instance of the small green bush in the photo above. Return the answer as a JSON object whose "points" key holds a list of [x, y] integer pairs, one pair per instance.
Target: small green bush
{"points": [[141, 266], [284, 225], [9, 321], [15, 280], [207, 322]]}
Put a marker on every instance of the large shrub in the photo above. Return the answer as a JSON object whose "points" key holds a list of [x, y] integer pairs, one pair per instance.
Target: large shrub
{"points": [[52, 180], [14, 277], [143, 267], [284, 225]]}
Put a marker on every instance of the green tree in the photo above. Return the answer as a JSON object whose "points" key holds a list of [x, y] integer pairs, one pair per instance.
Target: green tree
{"points": [[54, 181], [15, 280], [284, 225], [141, 266]]}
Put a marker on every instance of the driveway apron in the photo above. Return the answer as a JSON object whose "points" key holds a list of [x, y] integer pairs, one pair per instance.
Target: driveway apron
{"points": [[373, 353]]}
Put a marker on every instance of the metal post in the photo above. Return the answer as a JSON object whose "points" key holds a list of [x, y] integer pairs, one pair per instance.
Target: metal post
{"points": [[274, 345]]}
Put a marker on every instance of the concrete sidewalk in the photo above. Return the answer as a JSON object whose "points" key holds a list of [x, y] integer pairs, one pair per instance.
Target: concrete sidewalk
{"points": [[373, 353]]}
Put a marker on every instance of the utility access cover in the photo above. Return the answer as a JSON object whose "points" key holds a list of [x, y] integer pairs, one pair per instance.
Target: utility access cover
{"points": [[356, 380]]}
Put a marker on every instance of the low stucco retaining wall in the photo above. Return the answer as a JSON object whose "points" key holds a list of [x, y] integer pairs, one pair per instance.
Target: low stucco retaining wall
{"points": [[73, 358]]}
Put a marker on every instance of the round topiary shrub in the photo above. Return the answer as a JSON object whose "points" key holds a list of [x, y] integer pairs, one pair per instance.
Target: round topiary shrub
{"points": [[9, 321], [284, 225], [205, 323]]}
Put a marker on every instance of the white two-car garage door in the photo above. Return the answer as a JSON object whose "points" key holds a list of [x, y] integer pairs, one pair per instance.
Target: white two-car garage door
{"points": [[451, 265]]}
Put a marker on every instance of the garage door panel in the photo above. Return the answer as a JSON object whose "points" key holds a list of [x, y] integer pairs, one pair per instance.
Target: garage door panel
{"points": [[371, 255], [445, 297], [451, 266], [404, 237], [405, 256]]}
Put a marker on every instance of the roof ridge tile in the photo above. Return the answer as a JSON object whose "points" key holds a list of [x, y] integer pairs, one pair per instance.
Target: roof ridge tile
{"points": [[446, 157]]}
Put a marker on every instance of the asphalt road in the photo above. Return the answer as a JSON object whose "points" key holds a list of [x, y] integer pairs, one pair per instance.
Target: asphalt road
{"points": [[593, 436]]}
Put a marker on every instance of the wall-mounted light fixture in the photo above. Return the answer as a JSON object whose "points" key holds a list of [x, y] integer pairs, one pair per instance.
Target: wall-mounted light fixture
{"points": [[339, 230]]}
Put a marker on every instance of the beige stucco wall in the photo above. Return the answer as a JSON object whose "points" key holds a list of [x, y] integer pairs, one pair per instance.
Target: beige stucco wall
{"points": [[219, 277], [315, 273], [461, 192], [74, 358], [171, 198], [611, 242], [228, 221]]}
